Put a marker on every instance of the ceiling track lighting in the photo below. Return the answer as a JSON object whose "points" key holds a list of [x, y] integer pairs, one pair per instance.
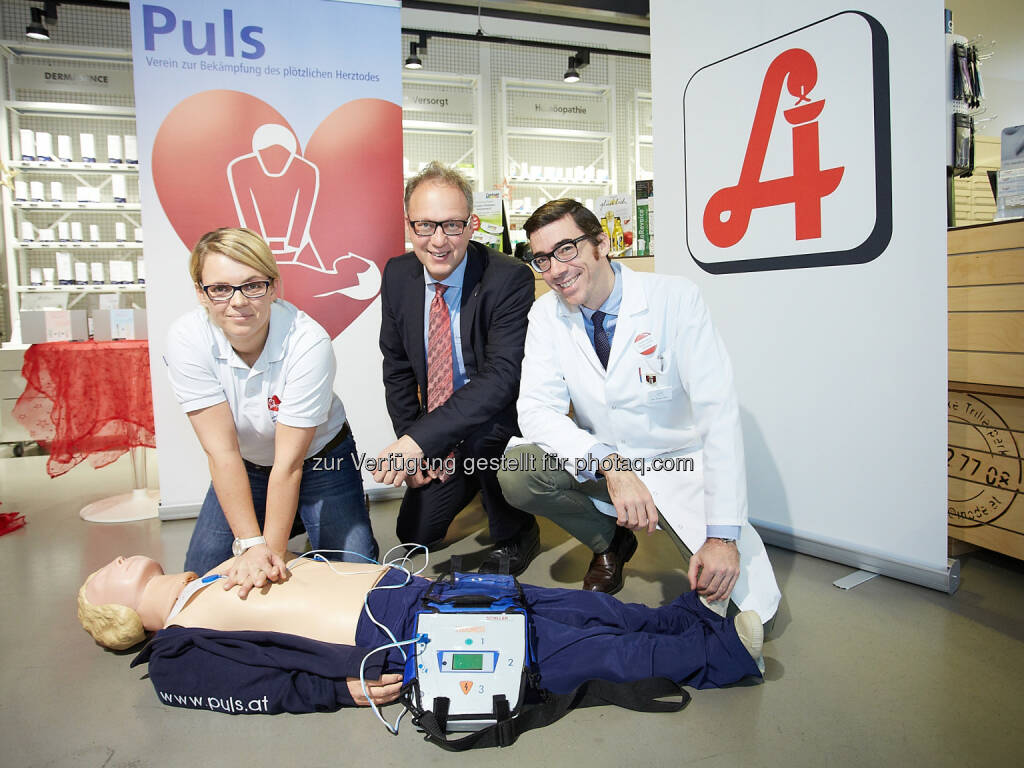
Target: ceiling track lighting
{"points": [[577, 61], [37, 28], [415, 49]]}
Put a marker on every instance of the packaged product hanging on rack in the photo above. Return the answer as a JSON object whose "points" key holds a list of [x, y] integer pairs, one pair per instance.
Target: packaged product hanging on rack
{"points": [[968, 92]]}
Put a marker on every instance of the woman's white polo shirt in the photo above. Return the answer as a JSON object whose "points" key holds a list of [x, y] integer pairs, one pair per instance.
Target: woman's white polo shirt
{"points": [[292, 381]]}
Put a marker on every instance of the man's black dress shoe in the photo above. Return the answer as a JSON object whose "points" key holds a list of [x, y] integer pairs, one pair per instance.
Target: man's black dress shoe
{"points": [[519, 550]]}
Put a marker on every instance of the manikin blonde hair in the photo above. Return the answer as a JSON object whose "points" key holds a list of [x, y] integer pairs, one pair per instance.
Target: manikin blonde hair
{"points": [[111, 625]]}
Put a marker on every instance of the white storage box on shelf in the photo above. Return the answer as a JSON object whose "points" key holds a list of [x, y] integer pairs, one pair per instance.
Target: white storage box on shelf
{"points": [[41, 326]]}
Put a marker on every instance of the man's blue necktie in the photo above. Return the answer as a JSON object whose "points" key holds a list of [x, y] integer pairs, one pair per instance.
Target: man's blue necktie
{"points": [[601, 345]]}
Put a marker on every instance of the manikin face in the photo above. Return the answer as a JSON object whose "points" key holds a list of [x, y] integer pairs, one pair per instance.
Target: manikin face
{"points": [[586, 280], [240, 318], [122, 581], [439, 253]]}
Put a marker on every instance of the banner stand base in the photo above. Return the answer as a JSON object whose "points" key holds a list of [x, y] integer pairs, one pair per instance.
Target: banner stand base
{"points": [[945, 579], [854, 579]]}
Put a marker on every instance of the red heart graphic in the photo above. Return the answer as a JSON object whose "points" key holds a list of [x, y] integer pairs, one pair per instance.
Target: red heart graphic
{"points": [[332, 213]]}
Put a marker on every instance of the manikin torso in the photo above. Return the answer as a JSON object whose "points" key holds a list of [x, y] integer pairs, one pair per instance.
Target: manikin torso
{"points": [[315, 602]]}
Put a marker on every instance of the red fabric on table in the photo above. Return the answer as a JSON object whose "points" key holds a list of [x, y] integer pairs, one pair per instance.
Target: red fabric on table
{"points": [[87, 400]]}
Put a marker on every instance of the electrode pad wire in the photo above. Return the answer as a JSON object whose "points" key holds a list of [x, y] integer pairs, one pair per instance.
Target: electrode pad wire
{"points": [[393, 729], [401, 561]]}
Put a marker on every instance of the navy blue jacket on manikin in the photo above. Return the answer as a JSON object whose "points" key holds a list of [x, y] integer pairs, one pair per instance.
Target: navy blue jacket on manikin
{"points": [[252, 672], [579, 636]]}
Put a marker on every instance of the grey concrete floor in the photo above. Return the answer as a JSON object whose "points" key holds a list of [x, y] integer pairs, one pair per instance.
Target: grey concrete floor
{"points": [[885, 674]]}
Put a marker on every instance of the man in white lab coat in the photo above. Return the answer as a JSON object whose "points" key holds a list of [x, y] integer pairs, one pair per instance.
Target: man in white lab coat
{"points": [[653, 434]]}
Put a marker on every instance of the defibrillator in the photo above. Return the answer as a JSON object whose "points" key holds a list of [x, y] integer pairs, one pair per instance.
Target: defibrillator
{"points": [[473, 658]]}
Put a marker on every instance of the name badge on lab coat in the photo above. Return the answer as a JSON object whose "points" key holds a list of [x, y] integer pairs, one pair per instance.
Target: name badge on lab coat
{"points": [[658, 394], [645, 344]]}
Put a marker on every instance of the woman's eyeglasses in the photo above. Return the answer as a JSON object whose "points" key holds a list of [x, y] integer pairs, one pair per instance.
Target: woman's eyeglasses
{"points": [[224, 292]]}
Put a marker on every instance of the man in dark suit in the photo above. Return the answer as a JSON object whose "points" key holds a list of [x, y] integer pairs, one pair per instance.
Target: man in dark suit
{"points": [[453, 324]]}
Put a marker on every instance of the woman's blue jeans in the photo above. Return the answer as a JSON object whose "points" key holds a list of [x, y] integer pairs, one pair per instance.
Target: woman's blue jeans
{"points": [[332, 507]]}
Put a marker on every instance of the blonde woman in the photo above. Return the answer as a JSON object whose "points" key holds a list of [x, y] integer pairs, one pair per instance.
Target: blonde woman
{"points": [[255, 376]]}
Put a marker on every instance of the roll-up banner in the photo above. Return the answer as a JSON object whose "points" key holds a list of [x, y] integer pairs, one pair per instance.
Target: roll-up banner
{"points": [[805, 196], [283, 116]]}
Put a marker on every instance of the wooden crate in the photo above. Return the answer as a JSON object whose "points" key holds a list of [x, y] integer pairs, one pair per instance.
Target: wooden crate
{"points": [[986, 386], [986, 472]]}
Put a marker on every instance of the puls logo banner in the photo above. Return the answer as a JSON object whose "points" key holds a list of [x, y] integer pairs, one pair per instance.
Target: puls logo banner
{"points": [[800, 175], [283, 117]]}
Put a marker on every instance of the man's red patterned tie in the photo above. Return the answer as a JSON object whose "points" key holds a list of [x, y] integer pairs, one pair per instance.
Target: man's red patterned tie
{"points": [[439, 351], [439, 354]]}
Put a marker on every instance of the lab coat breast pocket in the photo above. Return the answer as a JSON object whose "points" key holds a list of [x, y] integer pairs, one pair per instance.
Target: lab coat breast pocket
{"points": [[655, 379], [661, 398]]}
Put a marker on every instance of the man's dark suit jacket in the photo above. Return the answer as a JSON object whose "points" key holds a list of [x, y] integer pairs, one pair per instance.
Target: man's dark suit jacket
{"points": [[497, 293]]}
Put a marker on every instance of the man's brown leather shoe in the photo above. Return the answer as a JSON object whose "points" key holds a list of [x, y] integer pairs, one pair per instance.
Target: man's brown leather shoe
{"points": [[605, 572]]}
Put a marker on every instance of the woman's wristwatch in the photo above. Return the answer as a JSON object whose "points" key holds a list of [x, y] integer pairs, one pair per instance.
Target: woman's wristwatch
{"points": [[241, 545]]}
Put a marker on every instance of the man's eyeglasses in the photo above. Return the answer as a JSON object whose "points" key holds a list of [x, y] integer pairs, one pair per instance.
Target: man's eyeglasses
{"points": [[224, 292], [426, 228], [566, 251]]}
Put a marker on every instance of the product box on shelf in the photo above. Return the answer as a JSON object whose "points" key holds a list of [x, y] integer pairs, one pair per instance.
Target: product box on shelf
{"points": [[644, 244], [615, 213], [38, 327], [491, 211], [109, 324]]}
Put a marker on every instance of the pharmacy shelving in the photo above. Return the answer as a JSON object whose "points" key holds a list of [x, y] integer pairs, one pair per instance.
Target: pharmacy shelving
{"points": [[88, 192], [557, 142], [440, 121]]}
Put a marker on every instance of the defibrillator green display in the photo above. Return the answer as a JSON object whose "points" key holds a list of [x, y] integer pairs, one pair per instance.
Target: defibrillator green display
{"points": [[467, 661]]}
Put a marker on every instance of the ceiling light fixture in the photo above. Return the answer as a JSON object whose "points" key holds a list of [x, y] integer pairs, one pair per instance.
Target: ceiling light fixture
{"points": [[40, 16], [571, 75], [576, 62], [415, 49], [37, 29]]}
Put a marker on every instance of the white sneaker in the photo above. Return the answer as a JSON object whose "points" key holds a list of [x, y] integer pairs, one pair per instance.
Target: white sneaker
{"points": [[751, 632]]}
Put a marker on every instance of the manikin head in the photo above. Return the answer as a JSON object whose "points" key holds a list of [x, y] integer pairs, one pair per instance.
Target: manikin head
{"points": [[124, 599]]}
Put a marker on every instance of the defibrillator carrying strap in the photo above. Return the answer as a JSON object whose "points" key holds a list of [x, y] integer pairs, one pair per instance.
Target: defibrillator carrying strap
{"points": [[640, 696]]}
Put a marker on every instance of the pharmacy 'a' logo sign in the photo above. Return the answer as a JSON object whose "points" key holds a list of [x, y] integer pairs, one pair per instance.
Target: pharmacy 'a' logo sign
{"points": [[788, 151]]}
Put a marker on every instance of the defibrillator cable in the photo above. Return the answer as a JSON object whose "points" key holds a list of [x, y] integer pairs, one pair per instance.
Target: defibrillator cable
{"points": [[402, 562], [393, 729]]}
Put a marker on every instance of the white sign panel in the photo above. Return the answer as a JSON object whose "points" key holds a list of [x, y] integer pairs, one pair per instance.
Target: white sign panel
{"points": [[438, 102], [34, 76], [807, 200], [565, 108], [801, 124]]}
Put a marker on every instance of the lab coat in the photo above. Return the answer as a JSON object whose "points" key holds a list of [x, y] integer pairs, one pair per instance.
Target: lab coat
{"points": [[667, 393]]}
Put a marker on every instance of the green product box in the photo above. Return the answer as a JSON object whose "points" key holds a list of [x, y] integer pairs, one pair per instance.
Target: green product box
{"points": [[644, 245]]}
